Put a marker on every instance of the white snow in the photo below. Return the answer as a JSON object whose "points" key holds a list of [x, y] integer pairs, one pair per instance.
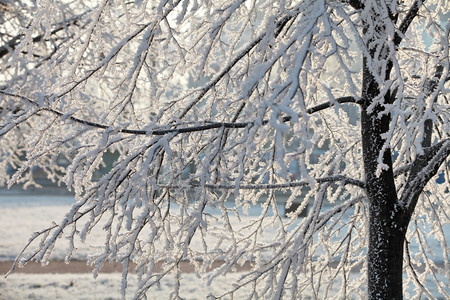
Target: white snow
{"points": [[21, 215], [106, 286]]}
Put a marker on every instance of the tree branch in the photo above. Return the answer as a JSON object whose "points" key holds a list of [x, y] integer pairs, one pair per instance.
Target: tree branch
{"points": [[356, 4], [12, 43], [423, 168], [341, 178], [341, 100], [412, 13], [279, 27], [206, 125], [429, 87]]}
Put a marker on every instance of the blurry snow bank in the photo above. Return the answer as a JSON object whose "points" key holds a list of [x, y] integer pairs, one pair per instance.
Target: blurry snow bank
{"points": [[21, 215], [106, 286]]}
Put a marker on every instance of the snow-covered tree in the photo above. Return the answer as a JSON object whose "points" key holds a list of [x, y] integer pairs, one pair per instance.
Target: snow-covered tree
{"points": [[212, 107]]}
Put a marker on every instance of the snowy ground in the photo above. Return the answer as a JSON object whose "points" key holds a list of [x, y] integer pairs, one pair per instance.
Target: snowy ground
{"points": [[23, 214], [106, 286]]}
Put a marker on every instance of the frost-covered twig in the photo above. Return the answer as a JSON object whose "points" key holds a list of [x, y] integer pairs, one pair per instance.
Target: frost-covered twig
{"points": [[337, 178], [207, 125]]}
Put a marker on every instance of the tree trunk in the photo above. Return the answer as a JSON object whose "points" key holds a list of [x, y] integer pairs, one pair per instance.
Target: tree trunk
{"points": [[387, 223], [385, 254]]}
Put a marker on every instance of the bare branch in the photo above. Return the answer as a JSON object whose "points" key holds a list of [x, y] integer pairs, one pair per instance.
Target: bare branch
{"points": [[341, 100]]}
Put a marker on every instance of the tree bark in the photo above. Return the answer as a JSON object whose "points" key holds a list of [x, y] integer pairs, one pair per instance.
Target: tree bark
{"points": [[385, 254], [389, 214], [386, 228]]}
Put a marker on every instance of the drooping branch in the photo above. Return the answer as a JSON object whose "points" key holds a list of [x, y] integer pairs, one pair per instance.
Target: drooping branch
{"points": [[336, 178], [206, 125], [279, 27], [222, 74]]}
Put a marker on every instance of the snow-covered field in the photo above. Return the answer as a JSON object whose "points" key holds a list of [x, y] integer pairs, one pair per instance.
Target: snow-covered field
{"points": [[105, 286], [23, 214]]}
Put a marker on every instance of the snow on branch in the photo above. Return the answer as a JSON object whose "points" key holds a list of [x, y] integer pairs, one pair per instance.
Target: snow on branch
{"points": [[406, 22], [12, 43], [207, 125], [422, 170], [337, 178], [186, 128], [280, 24]]}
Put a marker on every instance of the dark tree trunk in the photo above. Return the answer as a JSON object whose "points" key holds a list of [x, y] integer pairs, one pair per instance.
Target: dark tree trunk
{"points": [[389, 214], [385, 255], [386, 228], [387, 223]]}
